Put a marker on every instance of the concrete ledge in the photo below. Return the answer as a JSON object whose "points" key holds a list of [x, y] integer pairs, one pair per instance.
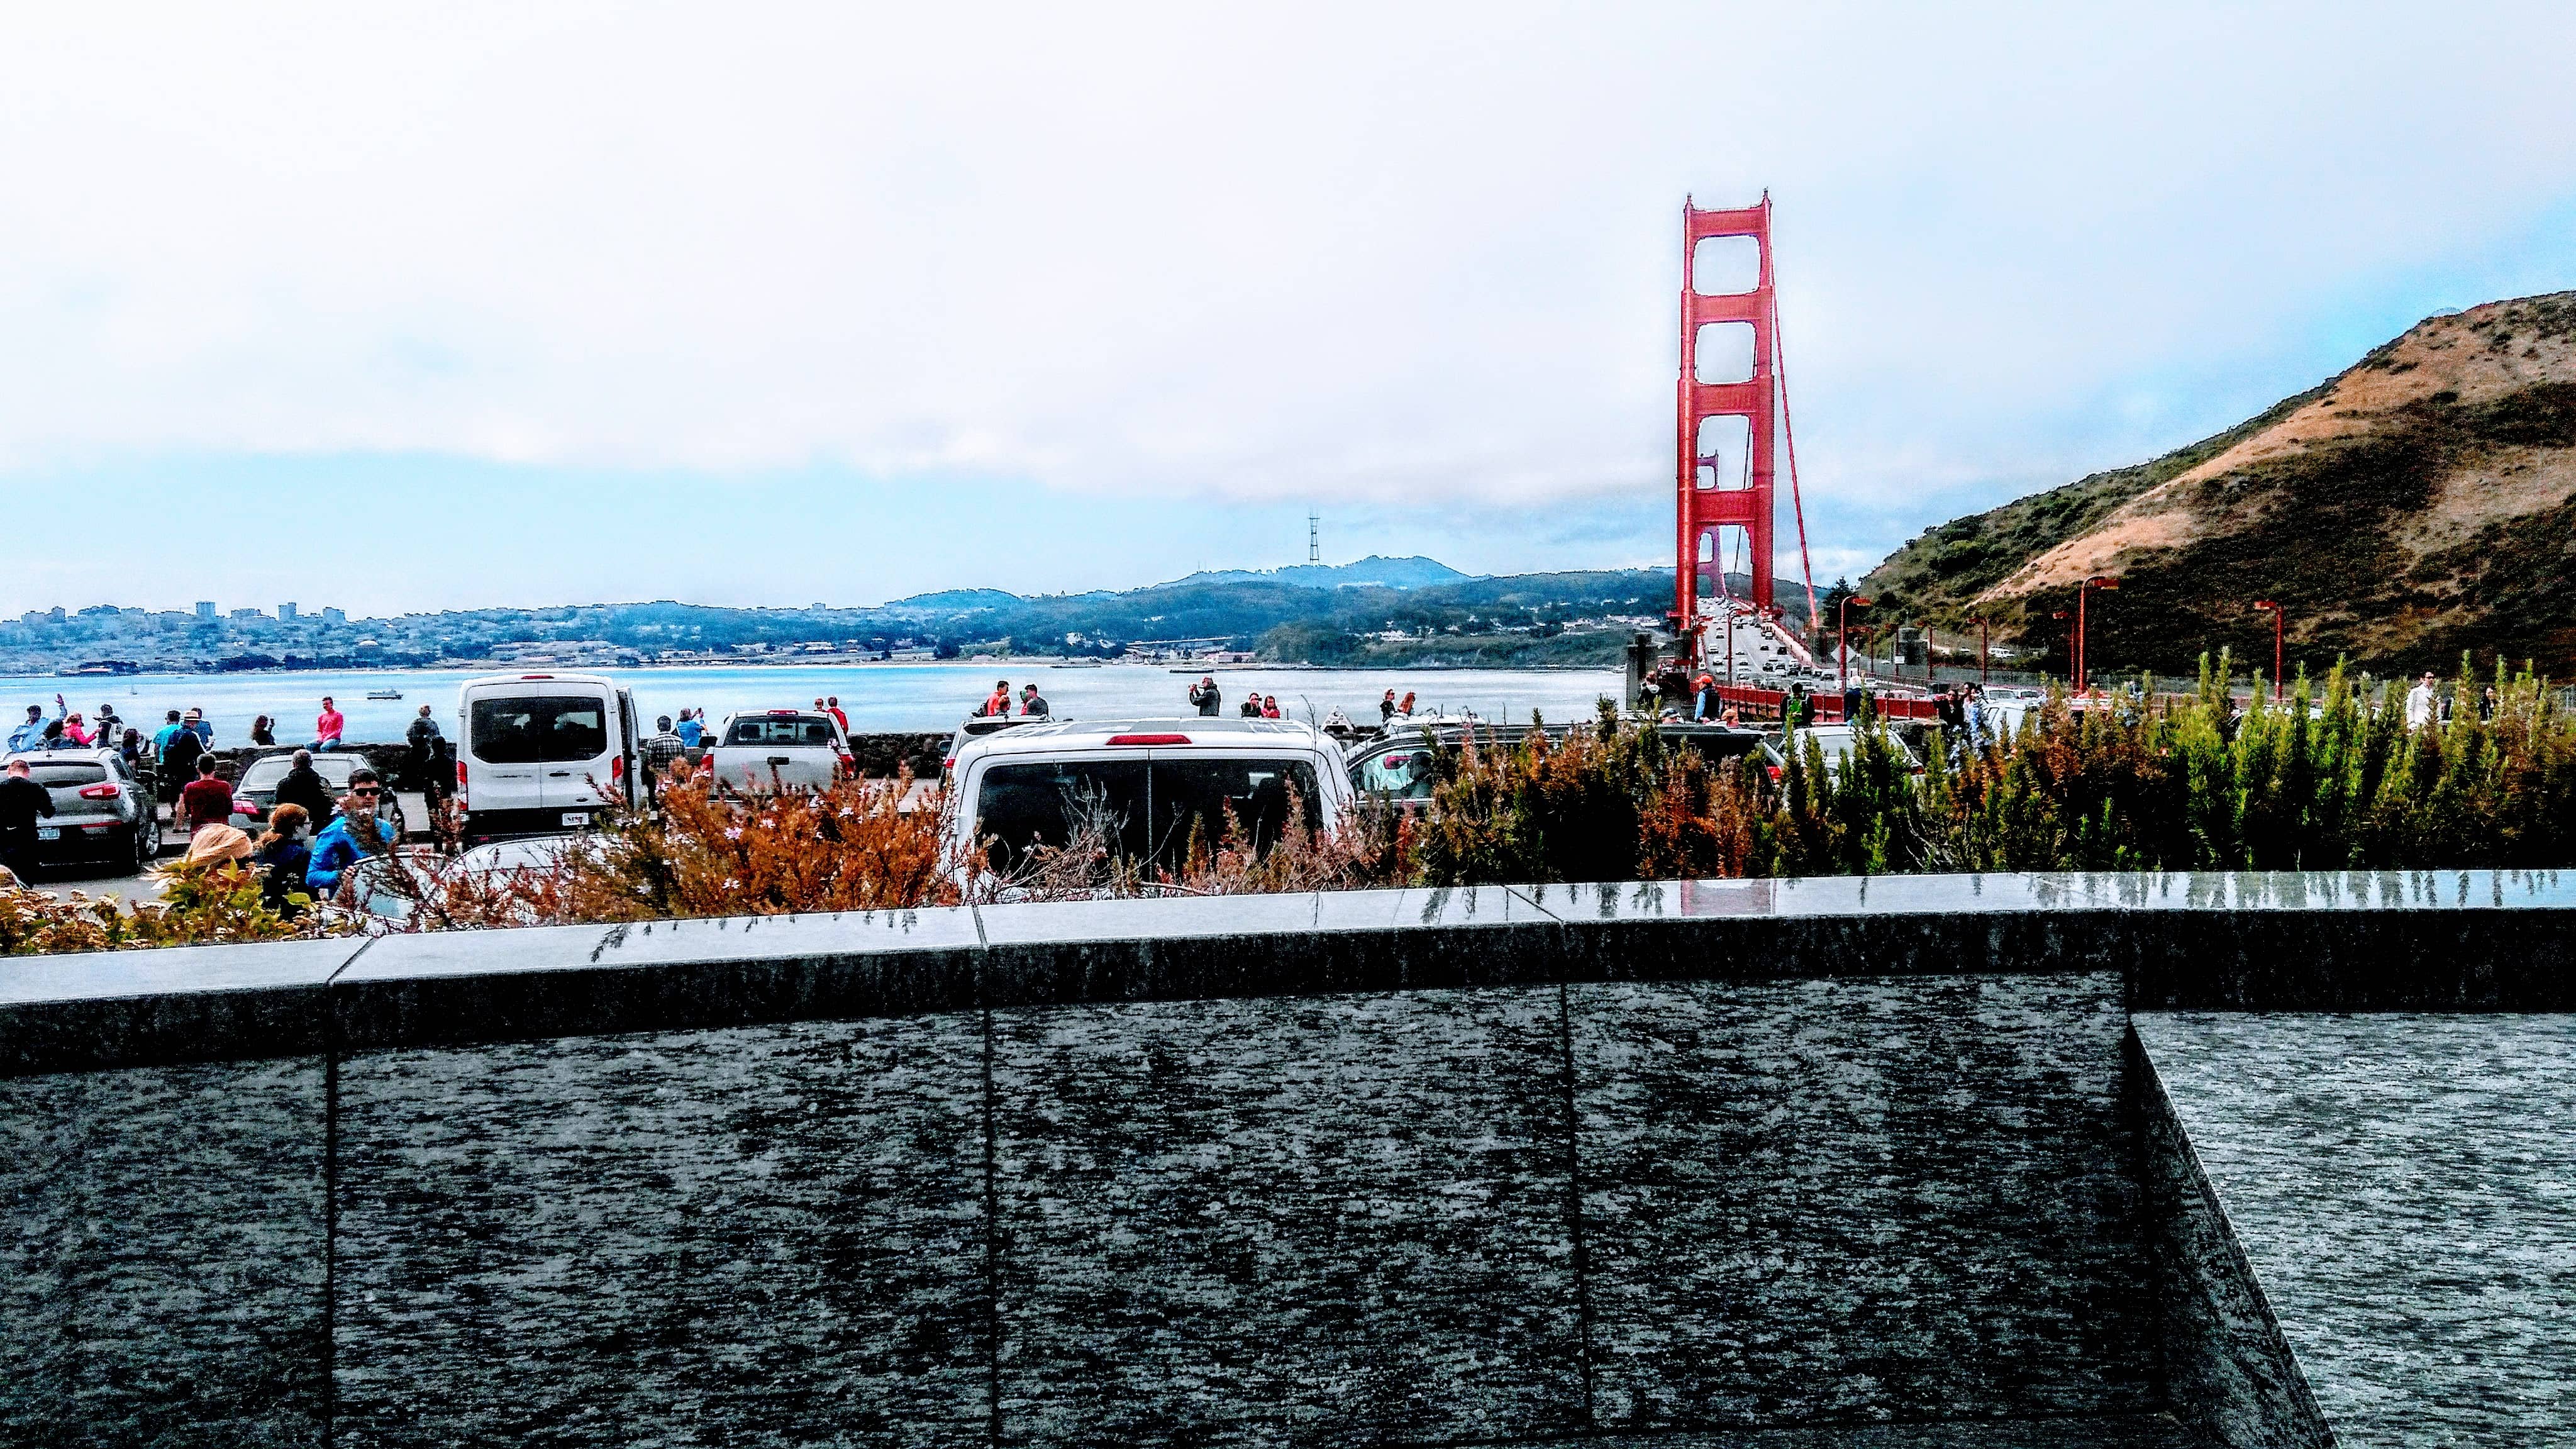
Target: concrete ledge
{"points": [[2453, 941]]}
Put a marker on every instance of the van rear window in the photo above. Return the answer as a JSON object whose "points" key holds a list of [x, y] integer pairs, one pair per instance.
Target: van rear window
{"points": [[543, 729], [1136, 811]]}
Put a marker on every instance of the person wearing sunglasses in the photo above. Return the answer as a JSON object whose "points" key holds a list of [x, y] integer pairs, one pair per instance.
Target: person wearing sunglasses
{"points": [[352, 836]]}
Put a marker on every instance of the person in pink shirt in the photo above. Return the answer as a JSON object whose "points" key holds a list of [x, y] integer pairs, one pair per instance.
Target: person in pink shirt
{"points": [[328, 726]]}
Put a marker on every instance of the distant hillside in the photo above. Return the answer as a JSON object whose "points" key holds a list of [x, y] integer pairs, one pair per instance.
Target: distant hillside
{"points": [[953, 599], [1393, 573], [2419, 504]]}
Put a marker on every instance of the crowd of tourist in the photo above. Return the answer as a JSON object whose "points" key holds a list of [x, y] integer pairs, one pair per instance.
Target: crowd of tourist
{"points": [[312, 834]]}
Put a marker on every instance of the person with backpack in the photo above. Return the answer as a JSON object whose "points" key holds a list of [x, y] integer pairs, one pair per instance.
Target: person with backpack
{"points": [[177, 749]]}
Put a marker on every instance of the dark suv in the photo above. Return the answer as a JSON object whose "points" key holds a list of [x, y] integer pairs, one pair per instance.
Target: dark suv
{"points": [[102, 813]]}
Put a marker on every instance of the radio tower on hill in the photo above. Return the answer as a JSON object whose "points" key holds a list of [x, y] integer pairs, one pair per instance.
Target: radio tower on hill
{"points": [[1730, 428]]}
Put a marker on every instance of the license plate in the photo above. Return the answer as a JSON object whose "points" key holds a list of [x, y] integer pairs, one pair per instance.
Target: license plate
{"points": [[49, 832], [576, 817]]}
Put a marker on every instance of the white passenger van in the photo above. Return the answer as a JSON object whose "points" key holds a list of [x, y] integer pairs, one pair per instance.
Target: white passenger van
{"points": [[541, 754], [1145, 783]]}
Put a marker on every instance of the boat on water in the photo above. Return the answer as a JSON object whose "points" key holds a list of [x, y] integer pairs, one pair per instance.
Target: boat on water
{"points": [[384, 694]]}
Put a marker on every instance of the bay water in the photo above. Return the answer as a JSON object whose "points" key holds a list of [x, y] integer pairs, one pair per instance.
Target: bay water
{"points": [[877, 697]]}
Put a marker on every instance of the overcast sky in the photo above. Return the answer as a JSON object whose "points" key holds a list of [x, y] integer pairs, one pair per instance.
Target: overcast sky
{"points": [[402, 309]]}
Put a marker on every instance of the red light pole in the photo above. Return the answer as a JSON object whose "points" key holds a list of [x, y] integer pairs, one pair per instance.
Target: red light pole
{"points": [[2279, 619], [2098, 581], [1842, 638]]}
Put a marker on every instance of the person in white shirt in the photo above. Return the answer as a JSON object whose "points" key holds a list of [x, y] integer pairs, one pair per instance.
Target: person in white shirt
{"points": [[2420, 703]]}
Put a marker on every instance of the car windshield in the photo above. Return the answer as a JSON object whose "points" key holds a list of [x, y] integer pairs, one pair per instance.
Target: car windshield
{"points": [[541, 729], [782, 731], [61, 776], [266, 772], [1403, 773]]}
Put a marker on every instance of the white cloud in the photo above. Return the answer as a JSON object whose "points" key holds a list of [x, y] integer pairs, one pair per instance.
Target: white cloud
{"points": [[1373, 253]]}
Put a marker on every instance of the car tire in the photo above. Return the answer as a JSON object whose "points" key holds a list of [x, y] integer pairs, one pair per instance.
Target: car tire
{"points": [[145, 838]]}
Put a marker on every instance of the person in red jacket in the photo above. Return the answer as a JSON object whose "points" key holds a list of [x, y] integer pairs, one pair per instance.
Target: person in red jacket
{"points": [[328, 726], [208, 799]]}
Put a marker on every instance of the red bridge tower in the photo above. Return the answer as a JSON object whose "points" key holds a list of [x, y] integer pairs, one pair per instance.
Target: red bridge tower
{"points": [[1733, 407]]}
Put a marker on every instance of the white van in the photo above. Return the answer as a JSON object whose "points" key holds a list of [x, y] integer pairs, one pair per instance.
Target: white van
{"points": [[541, 754], [1146, 783]]}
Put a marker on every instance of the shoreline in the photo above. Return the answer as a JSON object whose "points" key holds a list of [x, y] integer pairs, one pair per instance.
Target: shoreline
{"points": [[816, 661]]}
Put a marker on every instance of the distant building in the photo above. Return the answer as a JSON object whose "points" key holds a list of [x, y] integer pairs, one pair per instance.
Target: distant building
{"points": [[206, 610], [334, 616], [247, 616], [286, 613]]}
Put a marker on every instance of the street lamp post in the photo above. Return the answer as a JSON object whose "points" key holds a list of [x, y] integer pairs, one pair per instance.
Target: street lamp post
{"points": [[2098, 581], [2266, 606], [1842, 638], [1980, 622]]}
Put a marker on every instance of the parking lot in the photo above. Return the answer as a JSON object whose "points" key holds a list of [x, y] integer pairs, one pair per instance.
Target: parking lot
{"points": [[129, 884]]}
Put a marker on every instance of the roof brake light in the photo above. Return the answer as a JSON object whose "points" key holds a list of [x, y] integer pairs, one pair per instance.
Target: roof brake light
{"points": [[1149, 739], [536, 676]]}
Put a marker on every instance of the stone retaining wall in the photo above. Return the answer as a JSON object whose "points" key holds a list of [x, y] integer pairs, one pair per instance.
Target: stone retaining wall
{"points": [[1429, 1167]]}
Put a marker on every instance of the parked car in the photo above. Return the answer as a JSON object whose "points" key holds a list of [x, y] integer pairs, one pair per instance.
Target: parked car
{"points": [[541, 754], [102, 812], [1147, 785], [978, 727], [255, 794], [371, 890], [368, 888], [1398, 765], [1833, 741], [794, 749]]}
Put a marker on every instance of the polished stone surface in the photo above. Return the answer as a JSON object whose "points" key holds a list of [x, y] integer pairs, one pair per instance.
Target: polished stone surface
{"points": [[1338, 1220], [143, 1008], [1232, 946], [2405, 1188], [2085, 1432], [161, 1256], [763, 1235], [2228, 1372], [462, 986], [1846, 1201]]}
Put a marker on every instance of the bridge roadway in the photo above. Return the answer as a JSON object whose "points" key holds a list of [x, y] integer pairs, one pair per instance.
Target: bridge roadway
{"points": [[2018, 1161]]}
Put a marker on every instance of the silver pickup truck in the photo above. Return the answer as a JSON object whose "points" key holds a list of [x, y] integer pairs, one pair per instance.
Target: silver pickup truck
{"points": [[763, 750]]}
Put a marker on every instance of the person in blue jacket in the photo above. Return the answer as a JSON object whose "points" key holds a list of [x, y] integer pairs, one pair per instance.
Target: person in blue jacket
{"points": [[352, 836]]}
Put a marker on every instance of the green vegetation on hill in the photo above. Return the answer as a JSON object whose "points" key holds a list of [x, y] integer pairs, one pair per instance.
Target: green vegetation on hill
{"points": [[2420, 505], [1947, 566]]}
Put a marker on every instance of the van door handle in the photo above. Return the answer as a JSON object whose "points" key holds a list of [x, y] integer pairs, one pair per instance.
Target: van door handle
{"points": [[558, 774], [781, 760]]}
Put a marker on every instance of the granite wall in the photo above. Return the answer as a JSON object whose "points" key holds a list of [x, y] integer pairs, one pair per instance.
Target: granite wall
{"points": [[1819, 1162]]}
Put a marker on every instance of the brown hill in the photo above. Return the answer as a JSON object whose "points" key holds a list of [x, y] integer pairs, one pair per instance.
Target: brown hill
{"points": [[2420, 504]]}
